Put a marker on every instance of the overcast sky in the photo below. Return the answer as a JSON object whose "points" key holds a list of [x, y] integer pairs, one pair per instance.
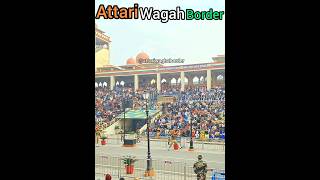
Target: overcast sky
{"points": [[196, 41]]}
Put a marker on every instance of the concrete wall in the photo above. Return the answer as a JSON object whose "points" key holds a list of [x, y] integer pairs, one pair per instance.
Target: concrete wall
{"points": [[110, 130], [144, 128]]}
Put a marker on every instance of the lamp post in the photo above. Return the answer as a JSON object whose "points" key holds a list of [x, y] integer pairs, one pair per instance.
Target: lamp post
{"points": [[191, 120], [149, 171], [124, 116], [124, 121], [191, 141]]}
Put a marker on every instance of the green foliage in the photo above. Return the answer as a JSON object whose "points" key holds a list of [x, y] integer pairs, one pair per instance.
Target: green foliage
{"points": [[103, 137], [129, 160]]}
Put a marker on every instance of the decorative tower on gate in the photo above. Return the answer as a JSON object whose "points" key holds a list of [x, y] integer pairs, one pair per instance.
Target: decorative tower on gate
{"points": [[102, 57], [218, 59]]}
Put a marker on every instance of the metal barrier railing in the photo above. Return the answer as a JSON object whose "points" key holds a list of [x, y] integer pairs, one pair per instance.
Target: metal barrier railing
{"points": [[164, 169], [153, 135], [162, 143]]}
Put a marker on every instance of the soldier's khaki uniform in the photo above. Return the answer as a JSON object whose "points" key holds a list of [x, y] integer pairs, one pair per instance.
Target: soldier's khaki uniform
{"points": [[200, 168]]}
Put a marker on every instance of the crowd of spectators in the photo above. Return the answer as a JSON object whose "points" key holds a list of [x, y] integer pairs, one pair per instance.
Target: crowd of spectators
{"points": [[108, 103], [205, 108]]}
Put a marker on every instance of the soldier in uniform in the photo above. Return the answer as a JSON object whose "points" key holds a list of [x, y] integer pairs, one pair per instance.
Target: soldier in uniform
{"points": [[98, 133], [173, 139], [200, 168]]}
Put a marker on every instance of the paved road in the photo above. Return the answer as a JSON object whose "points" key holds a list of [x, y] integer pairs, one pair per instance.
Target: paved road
{"points": [[215, 159]]}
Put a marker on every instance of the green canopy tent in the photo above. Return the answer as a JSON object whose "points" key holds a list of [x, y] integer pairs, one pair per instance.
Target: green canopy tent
{"points": [[138, 114], [134, 117]]}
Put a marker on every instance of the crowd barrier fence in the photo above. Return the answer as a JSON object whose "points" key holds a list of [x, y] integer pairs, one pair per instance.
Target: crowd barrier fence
{"points": [[164, 169]]}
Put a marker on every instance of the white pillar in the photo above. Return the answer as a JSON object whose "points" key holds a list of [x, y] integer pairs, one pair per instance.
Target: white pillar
{"points": [[136, 82], [214, 79], [182, 80], [112, 83], [208, 79], [158, 82], [190, 80]]}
